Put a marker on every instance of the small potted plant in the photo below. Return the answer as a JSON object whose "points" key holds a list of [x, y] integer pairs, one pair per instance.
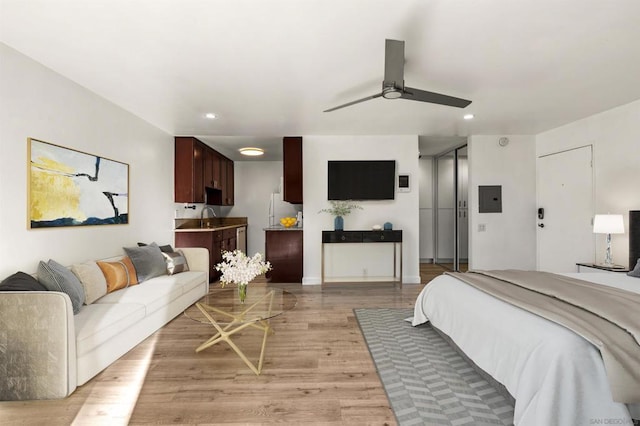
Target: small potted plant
{"points": [[241, 269], [339, 209]]}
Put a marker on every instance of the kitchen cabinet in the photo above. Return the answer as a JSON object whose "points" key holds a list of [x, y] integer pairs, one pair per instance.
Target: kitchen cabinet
{"points": [[201, 239], [284, 250], [202, 174], [214, 241], [292, 169], [189, 170]]}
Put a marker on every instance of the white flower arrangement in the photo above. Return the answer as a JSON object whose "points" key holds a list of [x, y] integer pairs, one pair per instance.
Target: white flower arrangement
{"points": [[239, 268], [340, 207]]}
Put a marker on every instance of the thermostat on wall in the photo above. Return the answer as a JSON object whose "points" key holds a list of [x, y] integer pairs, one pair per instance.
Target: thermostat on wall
{"points": [[404, 182]]}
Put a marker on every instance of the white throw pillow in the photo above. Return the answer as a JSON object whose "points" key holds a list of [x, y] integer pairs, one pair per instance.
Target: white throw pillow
{"points": [[92, 279]]}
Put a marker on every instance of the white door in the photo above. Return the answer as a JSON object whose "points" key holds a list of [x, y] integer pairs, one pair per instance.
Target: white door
{"points": [[565, 192]]}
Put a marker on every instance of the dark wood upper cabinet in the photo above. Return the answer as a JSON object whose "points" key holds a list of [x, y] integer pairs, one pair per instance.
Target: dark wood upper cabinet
{"points": [[189, 170], [292, 169], [200, 174]]}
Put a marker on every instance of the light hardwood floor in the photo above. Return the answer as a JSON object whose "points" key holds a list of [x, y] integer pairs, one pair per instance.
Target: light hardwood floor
{"points": [[317, 371]]}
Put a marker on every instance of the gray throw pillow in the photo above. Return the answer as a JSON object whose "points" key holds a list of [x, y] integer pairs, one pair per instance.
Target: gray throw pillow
{"points": [[636, 270], [56, 277], [147, 260]]}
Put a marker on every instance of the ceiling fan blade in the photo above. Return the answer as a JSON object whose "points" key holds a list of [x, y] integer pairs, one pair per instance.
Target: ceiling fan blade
{"points": [[434, 98], [377, 95], [394, 63]]}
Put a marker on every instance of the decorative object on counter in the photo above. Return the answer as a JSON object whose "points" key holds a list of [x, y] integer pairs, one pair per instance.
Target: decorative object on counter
{"points": [[339, 209], [376, 227], [388, 226], [241, 269], [287, 222]]}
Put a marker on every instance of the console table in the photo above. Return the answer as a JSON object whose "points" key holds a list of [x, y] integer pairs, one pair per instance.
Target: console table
{"points": [[341, 237]]}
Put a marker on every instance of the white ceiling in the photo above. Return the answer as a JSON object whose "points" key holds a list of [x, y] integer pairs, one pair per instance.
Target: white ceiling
{"points": [[268, 68]]}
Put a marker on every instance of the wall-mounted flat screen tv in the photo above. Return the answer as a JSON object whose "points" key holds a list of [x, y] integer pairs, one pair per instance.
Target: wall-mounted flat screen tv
{"points": [[361, 180]]}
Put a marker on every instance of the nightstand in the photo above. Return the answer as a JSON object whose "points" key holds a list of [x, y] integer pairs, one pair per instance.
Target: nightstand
{"points": [[592, 267]]}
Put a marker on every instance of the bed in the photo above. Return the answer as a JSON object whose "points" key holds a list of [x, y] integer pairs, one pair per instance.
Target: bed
{"points": [[555, 376]]}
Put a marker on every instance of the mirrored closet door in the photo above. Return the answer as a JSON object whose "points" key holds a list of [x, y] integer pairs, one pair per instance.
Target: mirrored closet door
{"points": [[451, 215]]}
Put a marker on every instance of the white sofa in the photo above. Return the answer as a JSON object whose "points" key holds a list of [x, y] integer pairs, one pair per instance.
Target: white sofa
{"points": [[48, 351]]}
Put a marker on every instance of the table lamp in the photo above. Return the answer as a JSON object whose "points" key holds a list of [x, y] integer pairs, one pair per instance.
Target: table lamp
{"points": [[608, 224]]}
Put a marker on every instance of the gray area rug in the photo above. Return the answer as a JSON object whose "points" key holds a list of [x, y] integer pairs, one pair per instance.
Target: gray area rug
{"points": [[426, 380]]}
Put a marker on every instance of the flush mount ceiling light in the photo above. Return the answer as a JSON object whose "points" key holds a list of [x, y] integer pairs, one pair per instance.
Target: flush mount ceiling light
{"points": [[251, 151], [210, 115], [468, 116]]}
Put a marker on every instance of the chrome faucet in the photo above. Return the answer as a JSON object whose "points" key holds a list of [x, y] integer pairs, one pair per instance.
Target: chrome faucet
{"points": [[209, 209]]}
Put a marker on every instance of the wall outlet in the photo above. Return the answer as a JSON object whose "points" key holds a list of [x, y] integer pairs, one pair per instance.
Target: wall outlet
{"points": [[482, 227]]}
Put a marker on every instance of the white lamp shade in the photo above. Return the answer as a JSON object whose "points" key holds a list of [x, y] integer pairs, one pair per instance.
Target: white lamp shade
{"points": [[608, 224]]}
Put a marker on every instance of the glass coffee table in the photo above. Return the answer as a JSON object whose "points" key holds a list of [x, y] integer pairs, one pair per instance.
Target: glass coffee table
{"points": [[224, 311]]}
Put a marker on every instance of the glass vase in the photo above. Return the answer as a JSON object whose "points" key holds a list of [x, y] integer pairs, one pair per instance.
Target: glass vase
{"points": [[242, 292], [338, 223]]}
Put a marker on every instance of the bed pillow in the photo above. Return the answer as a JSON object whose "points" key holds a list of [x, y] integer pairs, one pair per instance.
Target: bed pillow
{"points": [[148, 261], [92, 279], [176, 262], [118, 274], [56, 277], [21, 281], [636, 271]]}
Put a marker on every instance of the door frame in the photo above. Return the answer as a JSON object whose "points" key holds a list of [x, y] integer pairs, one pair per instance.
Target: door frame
{"points": [[593, 191]]}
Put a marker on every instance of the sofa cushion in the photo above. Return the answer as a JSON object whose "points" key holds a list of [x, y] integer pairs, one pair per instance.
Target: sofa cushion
{"points": [[176, 262], [118, 274], [21, 281], [187, 281], [97, 323], [92, 279], [56, 277], [152, 294], [148, 261]]}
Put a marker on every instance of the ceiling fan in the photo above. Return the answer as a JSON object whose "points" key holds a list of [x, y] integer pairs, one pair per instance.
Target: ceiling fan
{"points": [[393, 85]]}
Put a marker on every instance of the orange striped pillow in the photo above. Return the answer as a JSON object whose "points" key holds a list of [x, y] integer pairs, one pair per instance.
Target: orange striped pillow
{"points": [[119, 274]]}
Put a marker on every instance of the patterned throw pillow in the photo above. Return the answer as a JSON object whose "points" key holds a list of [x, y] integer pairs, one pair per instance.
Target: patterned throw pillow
{"points": [[56, 277], [148, 261], [176, 262], [119, 274], [92, 279]]}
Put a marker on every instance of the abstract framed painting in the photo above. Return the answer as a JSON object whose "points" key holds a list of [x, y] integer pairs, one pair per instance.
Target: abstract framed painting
{"points": [[73, 188]]}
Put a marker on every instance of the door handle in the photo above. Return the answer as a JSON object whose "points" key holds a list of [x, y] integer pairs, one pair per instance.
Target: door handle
{"points": [[541, 225]]}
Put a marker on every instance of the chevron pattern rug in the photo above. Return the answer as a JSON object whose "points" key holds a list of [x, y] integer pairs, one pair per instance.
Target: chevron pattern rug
{"points": [[426, 380]]}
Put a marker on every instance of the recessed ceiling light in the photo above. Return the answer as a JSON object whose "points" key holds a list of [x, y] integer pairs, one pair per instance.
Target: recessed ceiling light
{"points": [[251, 151], [210, 115], [468, 116]]}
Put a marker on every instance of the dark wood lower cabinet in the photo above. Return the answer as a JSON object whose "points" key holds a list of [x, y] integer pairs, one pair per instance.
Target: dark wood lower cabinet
{"points": [[214, 241], [284, 250]]}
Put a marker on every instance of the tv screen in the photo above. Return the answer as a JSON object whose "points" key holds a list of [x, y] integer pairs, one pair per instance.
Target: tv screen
{"points": [[361, 180]]}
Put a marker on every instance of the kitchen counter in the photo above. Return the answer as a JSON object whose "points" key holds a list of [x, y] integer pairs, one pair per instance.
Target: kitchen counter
{"points": [[281, 228], [210, 224], [212, 229]]}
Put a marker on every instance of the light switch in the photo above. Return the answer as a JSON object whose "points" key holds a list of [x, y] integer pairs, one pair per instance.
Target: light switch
{"points": [[482, 227]]}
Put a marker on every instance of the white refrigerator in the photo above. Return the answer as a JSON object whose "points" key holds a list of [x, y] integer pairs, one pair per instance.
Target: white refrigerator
{"points": [[279, 209]]}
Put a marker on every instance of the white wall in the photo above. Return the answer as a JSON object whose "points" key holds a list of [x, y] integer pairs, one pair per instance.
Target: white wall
{"points": [[254, 182], [36, 102], [403, 212], [510, 237], [615, 136]]}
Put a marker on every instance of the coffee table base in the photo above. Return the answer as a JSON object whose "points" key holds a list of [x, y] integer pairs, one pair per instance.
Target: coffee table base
{"points": [[239, 322]]}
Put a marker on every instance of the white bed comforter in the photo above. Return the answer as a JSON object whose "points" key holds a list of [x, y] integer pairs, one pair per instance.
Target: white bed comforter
{"points": [[555, 376]]}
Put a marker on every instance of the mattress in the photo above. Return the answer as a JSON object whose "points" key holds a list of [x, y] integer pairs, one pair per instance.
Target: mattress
{"points": [[555, 376]]}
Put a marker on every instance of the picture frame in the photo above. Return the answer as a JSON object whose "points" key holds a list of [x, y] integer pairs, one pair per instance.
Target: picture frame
{"points": [[67, 187]]}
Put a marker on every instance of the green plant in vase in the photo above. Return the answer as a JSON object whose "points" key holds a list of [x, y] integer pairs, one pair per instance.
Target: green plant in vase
{"points": [[339, 209]]}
